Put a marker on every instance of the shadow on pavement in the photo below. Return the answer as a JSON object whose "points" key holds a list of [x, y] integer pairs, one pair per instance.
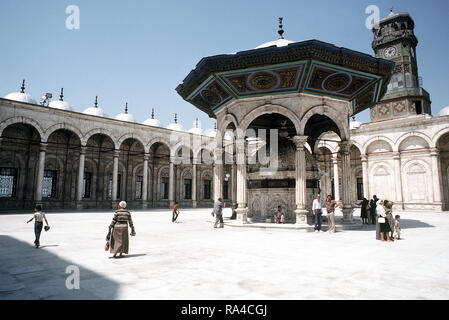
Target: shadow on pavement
{"points": [[27, 273]]}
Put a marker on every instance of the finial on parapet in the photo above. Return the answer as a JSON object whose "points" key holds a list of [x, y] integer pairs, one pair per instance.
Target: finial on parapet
{"points": [[196, 123], [280, 31], [96, 102], [23, 86], [61, 96], [215, 126], [152, 113], [126, 108], [176, 118]]}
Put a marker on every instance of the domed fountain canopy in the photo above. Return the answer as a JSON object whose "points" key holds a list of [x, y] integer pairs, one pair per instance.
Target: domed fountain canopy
{"points": [[313, 67], [60, 104], [175, 126], [152, 122], [196, 129], [353, 124], [21, 96], [95, 110], [125, 116]]}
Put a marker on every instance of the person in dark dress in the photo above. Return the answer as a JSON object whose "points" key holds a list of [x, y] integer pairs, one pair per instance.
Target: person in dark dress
{"points": [[372, 209], [364, 210]]}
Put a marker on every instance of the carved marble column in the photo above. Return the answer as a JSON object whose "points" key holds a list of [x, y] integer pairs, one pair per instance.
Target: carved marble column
{"points": [[336, 178], [436, 176], [346, 180], [80, 182], [364, 159], [195, 162], [218, 173], [399, 201], [145, 181], [40, 173], [171, 183], [242, 208], [301, 178], [115, 179], [234, 187]]}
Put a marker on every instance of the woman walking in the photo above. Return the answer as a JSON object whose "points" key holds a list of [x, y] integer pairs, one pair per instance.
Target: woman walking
{"points": [[39, 218], [118, 231]]}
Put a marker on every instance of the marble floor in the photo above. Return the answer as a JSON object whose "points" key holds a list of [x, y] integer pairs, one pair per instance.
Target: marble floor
{"points": [[192, 260]]}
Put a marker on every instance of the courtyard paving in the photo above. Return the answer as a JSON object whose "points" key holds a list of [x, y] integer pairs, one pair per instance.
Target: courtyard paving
{"points": [[191, 260]]}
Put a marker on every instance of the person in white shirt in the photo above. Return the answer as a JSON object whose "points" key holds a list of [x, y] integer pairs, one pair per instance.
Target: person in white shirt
{"points": [[38, 218], [317, 212], [279, 216], [384, 226]]}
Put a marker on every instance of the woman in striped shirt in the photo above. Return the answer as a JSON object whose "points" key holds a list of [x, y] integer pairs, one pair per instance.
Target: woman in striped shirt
{"points": [[118, 231]]}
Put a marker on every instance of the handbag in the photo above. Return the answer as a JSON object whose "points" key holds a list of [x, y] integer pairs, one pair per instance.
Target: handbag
{"points": [[46, 228], [381, 220], [106, 246]]}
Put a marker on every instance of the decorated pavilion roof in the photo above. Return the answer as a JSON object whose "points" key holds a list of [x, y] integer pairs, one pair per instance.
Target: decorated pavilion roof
{"points": [[312, 67]]}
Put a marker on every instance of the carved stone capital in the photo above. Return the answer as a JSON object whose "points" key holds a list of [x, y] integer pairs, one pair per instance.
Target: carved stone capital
{"points": [[345, 147], [300, 141]]}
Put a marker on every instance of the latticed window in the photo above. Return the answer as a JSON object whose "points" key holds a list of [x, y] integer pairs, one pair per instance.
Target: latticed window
{"points": [[139, 184], [187, 189], [207, 184], [8, 182], [49, 184], [86, 184], [164, 187], [119, 178]]}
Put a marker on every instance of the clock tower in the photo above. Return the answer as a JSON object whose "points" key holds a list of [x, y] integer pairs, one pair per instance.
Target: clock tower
{"points": [[394, 40]]}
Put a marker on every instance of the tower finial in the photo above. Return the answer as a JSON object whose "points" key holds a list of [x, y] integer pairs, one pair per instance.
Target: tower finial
{"points": [[23, 86], [176, 118], [152, 113], [196, 123], [61, 96], [215, 126], [280, 31], [96, 101], [126, 108]]}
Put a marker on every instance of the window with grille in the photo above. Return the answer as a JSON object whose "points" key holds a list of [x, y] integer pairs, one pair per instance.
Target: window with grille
{"points": [[207, 184], [87, 182], [8, 182], [188, 189], [139, 184], [359, 188], [49, 184], [119, 178], [164, 188]]}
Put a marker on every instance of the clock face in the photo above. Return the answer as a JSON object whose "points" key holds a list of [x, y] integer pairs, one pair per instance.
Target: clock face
{"points": [[389, 52]]}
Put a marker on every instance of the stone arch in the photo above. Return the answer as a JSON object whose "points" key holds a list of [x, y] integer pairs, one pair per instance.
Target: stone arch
{"points": [[437, 136], [206, 174], [59, 126], [179, 146], [268, 109], [226, 121], [121, 170], [33, 123], [371, 142], [332, 114], [426, 142], [162, 172], [131, 136], [95, 131], [159, 139]]}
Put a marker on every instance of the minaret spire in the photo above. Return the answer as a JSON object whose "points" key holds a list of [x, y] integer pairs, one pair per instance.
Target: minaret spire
{"points": [[23, 86], [61, 95], [280, 31]]}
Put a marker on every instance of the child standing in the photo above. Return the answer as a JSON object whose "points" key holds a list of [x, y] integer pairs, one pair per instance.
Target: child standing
{"points": [[175, 212], [39, 218], [397, 227]]}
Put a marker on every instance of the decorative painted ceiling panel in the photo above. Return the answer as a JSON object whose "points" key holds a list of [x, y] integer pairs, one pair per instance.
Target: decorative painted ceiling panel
{"points": [[270, 80], [211, 96], [336, 82]]}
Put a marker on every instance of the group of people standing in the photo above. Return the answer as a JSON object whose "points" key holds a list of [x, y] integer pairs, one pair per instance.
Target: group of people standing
{"points": [[317, 210], [387, 227]]}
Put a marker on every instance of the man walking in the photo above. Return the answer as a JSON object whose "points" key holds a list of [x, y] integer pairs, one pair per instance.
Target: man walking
{"points": [[330, 208], [317, 211], [218, 212]]}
